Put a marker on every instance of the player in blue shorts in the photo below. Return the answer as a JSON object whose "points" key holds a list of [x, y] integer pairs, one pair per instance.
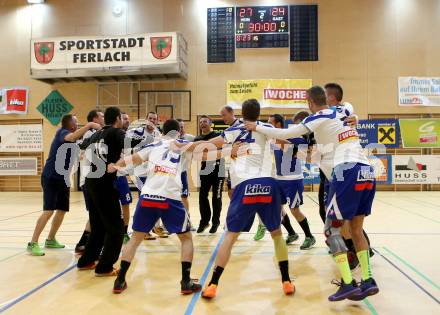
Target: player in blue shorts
{"points": [[255, 192], [352, 188], [160, 199], [289, 173]]}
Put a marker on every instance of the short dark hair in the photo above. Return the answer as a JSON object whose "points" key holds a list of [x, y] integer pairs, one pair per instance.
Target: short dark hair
{"points": [[317, 95], [300, 116], [205, 116], [229, 109], [154, 113], [336, 90], [66, 120], [250, 109], [111, 115], [92, 114], [278, 119], [179, 119], [170, 125]]}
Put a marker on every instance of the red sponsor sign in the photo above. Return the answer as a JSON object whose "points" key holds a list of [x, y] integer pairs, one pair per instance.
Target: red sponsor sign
{"points": [[15, 100], [256, 199], [285, 94], [344, 136]]}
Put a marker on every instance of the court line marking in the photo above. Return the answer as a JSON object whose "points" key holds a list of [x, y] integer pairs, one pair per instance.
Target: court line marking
{"points": [[370, 307], [19, 216], [30, 292], [407, 276], [409, 211], [406, 263], [435, 207], [196, 296], [12, 256]]}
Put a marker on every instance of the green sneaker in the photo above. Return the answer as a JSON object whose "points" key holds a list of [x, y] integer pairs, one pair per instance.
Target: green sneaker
{"points": [[126, 238], [34, 249], [260, 232], [308, 243], [53, 244], [291, 238]]}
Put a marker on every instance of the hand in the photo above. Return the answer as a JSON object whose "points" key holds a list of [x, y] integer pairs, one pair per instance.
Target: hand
{"points": [[352, 121], [150, 126], [93, 125], [250, 125], [112, 168], [239, 149]]}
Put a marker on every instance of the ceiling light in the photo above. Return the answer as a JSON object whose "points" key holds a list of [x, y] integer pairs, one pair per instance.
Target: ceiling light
{"points": [[35, 1]]}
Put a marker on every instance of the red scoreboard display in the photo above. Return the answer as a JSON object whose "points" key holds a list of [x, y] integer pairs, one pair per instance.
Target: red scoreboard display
{"points": [[262, 27]]}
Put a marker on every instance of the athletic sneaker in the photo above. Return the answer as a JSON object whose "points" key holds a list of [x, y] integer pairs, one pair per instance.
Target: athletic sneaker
{"points": [[112, 273], [308, 243], [160, 231], [214, 228], [202, 228], [189, 287], [126, 238], [291, 238], [345, 291], [53, 244], [90, 266], [34, 249], [353, 261], [149, 237], [261, 230], [368, 287], [119, 286], [79, 249], [210, 291], [288, 288]]}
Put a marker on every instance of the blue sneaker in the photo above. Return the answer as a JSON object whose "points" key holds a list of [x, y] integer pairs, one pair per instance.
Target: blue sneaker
{"points": [[345, 291], [368, 287]]}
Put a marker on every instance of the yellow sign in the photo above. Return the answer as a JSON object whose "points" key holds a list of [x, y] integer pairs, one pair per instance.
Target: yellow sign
{"points": [[271, 93], [386, 134]]}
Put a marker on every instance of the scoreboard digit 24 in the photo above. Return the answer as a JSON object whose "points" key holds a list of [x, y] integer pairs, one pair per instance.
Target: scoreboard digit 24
{"points": [[262, 27]]}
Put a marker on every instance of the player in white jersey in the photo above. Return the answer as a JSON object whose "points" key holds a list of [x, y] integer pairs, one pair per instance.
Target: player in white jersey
{"points": [[160, 198], [352, 187], [255, 191]]}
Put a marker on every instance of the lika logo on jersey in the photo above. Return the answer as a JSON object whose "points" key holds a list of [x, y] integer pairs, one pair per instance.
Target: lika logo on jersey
{"points": [[161, 46], [257, 193], [347, 135], [285, 94], [44, 52]]}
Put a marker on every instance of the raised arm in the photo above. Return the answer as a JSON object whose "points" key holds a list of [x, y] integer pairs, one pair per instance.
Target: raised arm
{"points": [[276, 133], [73, 136]]}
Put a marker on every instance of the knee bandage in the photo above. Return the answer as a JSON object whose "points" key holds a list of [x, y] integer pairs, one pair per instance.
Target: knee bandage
{"points": [[332, 231]]}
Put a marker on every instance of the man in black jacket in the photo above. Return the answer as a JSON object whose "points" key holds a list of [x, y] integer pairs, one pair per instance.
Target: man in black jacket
{"points": [[211, 176], [102, 148]]}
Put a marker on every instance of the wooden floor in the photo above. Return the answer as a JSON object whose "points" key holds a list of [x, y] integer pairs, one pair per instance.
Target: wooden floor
{"points": [[404, 230]]}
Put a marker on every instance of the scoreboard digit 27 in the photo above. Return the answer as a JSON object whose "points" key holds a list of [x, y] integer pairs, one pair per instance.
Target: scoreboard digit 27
{"points": [[262, 27]]}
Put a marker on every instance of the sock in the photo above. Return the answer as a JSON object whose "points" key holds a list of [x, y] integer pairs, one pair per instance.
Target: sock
{"points": [[305, 227], [126, 229], [84, 238], [280, 248], [186, 270], [350, 245], [364, 260], [124, 267], [344, 268], [216, 275], [287, 225], [284, 268]]}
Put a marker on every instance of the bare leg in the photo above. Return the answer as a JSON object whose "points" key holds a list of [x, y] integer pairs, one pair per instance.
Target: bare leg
{"points": [[225, 249], [187, 248], [299, 216], [130, 248], [126, 214], [56, 223], [41, 224], [357, 232]]}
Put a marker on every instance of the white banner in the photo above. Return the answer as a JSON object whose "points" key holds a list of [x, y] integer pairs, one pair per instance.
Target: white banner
{"points": [[18, 166], [21, 138], [416, 169], [419, 91], [88, 52]]}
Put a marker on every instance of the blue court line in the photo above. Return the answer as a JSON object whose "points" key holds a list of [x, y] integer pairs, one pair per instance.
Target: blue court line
{"points": [[196, 296], [29, 293], [407, 276]]}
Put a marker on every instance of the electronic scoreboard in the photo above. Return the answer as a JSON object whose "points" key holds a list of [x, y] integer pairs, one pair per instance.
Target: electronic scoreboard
{"points": [[221, 40]]}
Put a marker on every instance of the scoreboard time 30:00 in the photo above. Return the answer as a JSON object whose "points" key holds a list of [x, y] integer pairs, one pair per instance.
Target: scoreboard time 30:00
{"points": [[262, 26]]}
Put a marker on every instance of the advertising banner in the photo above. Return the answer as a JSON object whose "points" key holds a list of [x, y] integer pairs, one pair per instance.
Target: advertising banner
{"points": [[416, 169], [18, 166], [419, 91], [380, 131], [14, 100], [271, 93], [382, 168], [54, 107], [21, 138], [420, 133]]}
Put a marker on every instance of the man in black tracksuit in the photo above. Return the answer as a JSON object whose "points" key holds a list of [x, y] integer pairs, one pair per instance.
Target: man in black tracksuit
{"points": [[102, 148], [211, 176]]}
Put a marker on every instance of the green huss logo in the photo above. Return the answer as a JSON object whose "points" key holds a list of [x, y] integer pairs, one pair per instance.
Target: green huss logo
{"points": [[161, 46], [44, 52]]}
